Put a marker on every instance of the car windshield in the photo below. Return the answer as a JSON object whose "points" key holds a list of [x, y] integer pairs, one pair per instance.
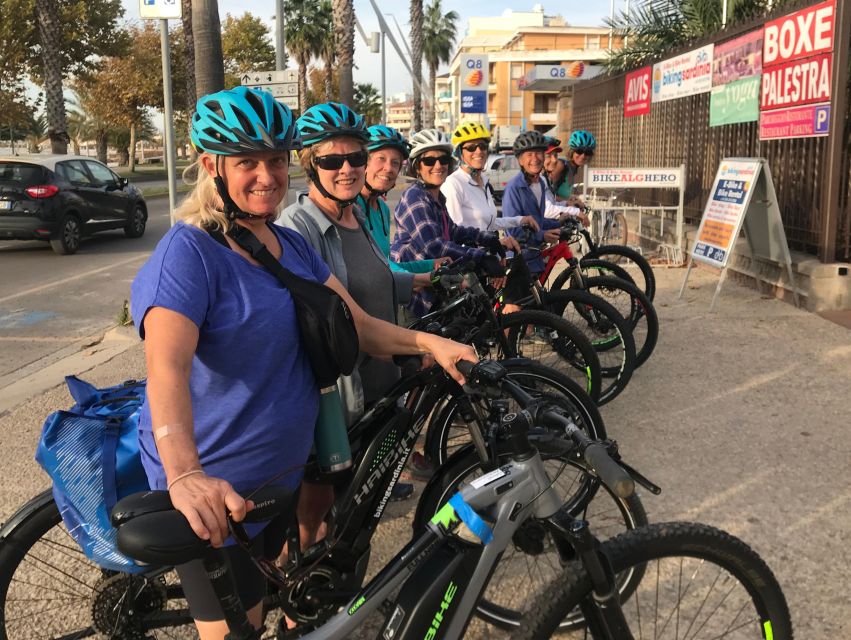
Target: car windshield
{"points": [[20, 174]]}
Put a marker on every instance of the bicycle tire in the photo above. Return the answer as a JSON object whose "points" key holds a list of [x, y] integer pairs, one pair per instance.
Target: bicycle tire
{"points": [[618, 254], [591, 268], [448, 431], [537, 335], [746, 579], [50, 589], [620, 237], [507, 590], [635, 307], [609, 332]]}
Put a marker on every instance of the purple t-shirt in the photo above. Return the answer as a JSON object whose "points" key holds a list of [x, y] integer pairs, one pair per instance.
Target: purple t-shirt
{"points": [[254, 399]]}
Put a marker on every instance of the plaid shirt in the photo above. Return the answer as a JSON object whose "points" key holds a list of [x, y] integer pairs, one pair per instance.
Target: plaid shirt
{"points": [[425, 231]]}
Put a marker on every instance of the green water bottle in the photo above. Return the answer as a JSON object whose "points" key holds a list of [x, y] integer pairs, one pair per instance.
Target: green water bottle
{"points": [[331, 437]]}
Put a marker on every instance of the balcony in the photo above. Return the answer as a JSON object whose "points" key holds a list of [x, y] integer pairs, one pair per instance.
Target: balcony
{"points": [[538, 117]]}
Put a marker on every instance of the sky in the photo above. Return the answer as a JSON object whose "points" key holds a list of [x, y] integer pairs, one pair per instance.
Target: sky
{"points": [[368, 65]]}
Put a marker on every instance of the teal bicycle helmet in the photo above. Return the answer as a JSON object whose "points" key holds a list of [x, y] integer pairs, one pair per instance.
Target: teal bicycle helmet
{"points": [[243, 120], [330, 120], [581, 139], [381, 136]]}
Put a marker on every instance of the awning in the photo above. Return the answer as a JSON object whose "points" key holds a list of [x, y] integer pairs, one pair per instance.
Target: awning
{"points": [[554, 77]]}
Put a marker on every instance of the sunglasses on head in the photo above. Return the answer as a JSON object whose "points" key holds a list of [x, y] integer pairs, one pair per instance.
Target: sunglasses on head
{"points": [[584, 151], [335, 161], [431, 160], [476, 146]]}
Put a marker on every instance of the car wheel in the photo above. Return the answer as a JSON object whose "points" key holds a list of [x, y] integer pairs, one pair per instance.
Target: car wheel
{"points": [[70, 234], [135, 226]]}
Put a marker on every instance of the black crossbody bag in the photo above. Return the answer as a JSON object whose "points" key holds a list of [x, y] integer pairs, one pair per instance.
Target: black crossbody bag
{"points": [[325, 321]]}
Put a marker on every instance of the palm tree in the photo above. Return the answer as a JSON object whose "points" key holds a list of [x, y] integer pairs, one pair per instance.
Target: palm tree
{"points": [[368, 102], [303, 36], [439, 31], [344, 39], [50, 39], [417, 61], [79, 128], [327, 45], [207, 37]]}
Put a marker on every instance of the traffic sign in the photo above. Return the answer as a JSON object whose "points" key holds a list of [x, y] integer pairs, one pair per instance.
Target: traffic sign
{"points": [[278, 90], [268, 77], [161, 10]]}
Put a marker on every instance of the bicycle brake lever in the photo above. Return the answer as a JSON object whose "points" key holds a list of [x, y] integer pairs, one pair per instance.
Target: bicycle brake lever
{"points": [[640, 479]]}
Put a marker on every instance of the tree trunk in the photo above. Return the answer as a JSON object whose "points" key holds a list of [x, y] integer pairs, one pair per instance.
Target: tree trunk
{"points": [[303, 59], [75, 146], [344, 37], [123, 156], [49, 34], [189, 58], [207, 39], [329, 79], [431, 102], [417, 61], [101, 145], [132, 159]]}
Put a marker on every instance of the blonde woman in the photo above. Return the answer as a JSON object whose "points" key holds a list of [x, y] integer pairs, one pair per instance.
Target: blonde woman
{"points": [[231, 397]]}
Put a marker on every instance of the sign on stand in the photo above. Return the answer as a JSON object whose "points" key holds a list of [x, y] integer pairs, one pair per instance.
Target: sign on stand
{"points": [[283, 85], [742, 197]]}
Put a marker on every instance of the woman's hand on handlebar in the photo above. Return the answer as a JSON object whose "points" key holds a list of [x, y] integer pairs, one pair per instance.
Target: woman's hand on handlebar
{"points": [[510, 243], [447, 353], [440, 262], [531, 222], [205, 502], [421, 281], [552, 236]]}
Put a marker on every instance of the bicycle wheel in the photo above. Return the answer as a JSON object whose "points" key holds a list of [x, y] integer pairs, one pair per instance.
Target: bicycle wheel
{"points": [[554, 342], [633, 305], [591, 268], [608, 331], [448, 431], [533, 561], [698, 582], [617, 232], [630, 259], [50, 589]]}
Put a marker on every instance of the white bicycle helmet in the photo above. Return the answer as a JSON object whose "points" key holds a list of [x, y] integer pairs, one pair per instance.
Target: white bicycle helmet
{"points": [[429, 140]]}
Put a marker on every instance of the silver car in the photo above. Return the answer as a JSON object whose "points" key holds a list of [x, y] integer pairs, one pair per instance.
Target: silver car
{"points": [[500, 168]]}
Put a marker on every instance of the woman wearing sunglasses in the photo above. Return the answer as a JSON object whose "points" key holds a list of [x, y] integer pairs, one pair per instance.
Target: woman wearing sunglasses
{"points": [[581, 147], [424, 229], [469, 195], [231, 398]]}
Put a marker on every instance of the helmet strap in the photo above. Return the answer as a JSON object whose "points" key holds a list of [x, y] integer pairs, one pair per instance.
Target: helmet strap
{"points": [[341, 204], [232, 212], [373, 192]]}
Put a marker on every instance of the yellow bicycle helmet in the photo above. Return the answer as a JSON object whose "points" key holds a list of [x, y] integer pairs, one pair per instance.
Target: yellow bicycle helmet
{"points": [[467, 131]]}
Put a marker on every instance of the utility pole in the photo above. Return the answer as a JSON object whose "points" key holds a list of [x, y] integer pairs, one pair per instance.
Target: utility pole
{"points": [[383, 78], [280, 45]]}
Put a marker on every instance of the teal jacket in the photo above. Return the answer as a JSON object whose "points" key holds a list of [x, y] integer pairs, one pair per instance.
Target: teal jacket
{"points": [[378, 223]]}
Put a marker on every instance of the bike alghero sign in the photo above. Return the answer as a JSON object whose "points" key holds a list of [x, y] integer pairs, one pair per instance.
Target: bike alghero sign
{"points": [[684, 75], [474, 83], [797, 64], [667, 178]]}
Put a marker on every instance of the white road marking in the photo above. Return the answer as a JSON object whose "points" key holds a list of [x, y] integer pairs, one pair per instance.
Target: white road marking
{"points": [[56, 283]]}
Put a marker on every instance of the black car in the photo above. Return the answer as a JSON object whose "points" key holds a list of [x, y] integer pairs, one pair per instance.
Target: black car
{"points": [[63, 198]]}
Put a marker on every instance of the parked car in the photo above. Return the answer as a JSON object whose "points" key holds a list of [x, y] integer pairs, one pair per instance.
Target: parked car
{"points": [[64, 198], [500, 168]]}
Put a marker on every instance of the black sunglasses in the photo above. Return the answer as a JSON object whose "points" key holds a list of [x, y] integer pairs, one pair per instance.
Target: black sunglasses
{"points": [[431, 160], [584, 151], [335, 161], [478, 146]]}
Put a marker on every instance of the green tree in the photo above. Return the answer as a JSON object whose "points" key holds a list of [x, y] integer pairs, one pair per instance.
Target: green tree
{"points": [[439, 32], [246, 47], [327, 48], [367, 102], [16, 112], [207, 38], [655, 27], [317, 87], [303, 36], [344, 42], [417, 62]]}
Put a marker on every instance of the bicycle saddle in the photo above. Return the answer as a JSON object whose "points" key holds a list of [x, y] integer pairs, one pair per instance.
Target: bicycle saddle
{"points": [[151, 530]]}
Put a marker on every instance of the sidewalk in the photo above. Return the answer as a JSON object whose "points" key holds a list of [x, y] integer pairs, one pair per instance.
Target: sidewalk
{"points": [[741, 415]]}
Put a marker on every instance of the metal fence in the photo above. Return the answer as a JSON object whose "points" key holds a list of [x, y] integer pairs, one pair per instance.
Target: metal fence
{"points": [[678, 131]]}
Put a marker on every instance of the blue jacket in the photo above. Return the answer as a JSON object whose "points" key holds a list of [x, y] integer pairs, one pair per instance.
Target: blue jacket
{"points": [[518, 200]]}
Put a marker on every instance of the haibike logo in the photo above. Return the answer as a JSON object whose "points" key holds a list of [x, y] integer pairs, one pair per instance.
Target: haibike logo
{"points": [[402, 448], [451, 590]]}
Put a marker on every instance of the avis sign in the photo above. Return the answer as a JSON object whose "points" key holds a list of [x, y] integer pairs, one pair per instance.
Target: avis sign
{"points": [[636, 94], [797, 64]]}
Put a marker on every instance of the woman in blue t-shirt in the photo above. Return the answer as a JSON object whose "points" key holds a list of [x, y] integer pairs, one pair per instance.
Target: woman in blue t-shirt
{"points": [[231, 399]]}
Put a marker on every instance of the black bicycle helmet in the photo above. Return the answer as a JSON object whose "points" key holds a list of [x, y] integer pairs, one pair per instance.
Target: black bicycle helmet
{"points": [[529, 141]]}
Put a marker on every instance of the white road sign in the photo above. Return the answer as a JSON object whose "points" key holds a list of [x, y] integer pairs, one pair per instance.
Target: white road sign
{"points": [[268, 77], [160, 10]]}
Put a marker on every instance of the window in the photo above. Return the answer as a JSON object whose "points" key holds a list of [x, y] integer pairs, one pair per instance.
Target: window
{"points": [[73, 172], [545, 103], [516, 71], [101, 174], [516, 103], [510, 162], [592, 42]]}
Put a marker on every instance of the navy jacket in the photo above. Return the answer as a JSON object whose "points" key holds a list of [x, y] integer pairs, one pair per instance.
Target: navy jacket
{"points": [[518, 200]]}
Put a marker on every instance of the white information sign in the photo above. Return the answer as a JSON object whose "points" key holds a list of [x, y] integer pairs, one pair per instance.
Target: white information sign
{"points": [[685, 75], [160, 9], [270, 77], [667, 178], [287, 90]]}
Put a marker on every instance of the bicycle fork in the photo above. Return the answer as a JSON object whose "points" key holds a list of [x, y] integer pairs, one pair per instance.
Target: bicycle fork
{"points": [[602, 610]]}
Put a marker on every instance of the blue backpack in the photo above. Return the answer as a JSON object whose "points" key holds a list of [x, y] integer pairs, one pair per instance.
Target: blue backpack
{"points": [[91, 452]]}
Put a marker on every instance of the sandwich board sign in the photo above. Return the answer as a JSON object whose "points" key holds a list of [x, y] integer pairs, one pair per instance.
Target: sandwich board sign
{"points": [[742, 197]]}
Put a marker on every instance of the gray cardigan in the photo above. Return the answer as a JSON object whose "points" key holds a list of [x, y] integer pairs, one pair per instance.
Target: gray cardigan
{"points": [[308, 220]]}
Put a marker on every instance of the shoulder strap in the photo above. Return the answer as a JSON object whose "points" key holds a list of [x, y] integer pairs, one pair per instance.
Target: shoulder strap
{"points": [[257, 250]]}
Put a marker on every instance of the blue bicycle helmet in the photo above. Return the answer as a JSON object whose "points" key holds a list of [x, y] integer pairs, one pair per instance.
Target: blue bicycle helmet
{"points": [[330, 120], [381, 136], [581, 139], [243, 120]]}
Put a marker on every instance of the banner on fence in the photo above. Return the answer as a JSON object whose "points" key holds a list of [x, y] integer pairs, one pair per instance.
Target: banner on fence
{"points": [[668, 178], [684, 75], [797, 63], [734, 102], [636, 92], [737, 58], [474, 83]]}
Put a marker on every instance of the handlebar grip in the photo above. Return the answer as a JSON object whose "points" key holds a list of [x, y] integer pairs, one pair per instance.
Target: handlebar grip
{"points": [[610, 472], [465, 367]]}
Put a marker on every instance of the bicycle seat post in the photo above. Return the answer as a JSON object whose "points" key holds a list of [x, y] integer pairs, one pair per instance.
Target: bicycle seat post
{"points": [[225, 590]]}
